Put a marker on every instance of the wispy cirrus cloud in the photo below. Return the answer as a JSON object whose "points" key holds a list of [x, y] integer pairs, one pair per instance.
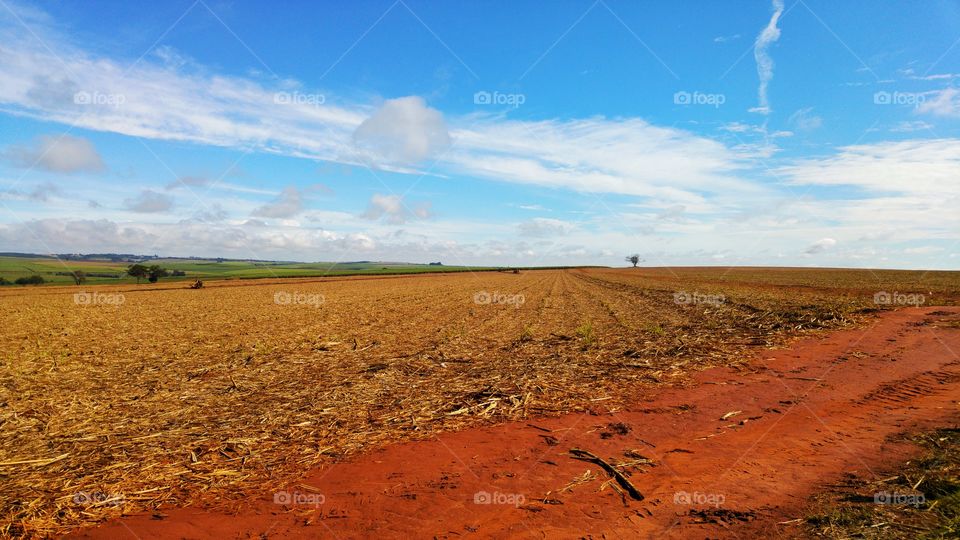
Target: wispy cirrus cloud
{"points": [[805, 120], [923, 167], [945, 103], [769, 35], [164, 100]]}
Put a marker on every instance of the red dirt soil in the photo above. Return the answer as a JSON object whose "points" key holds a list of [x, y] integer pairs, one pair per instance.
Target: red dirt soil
{"points": [[811, 413]]}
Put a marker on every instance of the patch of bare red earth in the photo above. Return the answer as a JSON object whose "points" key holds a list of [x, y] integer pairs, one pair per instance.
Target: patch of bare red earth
{"points": [[811, 413]]}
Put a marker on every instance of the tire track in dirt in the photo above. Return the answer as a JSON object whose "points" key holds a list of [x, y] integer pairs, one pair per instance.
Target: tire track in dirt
{"points": [[809, 414]]}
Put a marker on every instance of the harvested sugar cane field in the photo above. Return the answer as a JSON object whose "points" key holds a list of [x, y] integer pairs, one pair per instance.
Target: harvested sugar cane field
{"points": [[394, 269], [137, 400]]}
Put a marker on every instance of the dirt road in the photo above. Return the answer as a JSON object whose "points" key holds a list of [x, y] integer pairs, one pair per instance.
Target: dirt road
{"points": [[807, 415]]}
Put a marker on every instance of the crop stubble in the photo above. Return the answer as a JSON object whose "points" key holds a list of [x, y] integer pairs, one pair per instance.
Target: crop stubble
{"points": [[178, 396]]}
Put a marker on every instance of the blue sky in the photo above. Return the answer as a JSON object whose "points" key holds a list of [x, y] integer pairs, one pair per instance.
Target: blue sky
{"points": [[724, 133]]}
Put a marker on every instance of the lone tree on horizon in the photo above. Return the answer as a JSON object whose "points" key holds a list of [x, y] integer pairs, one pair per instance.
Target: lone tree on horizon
{"points": [[138, 271], [154, 273], [151, 273], [634, 259]]}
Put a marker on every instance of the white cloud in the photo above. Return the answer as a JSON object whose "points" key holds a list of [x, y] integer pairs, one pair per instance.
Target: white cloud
{"points": [[820, 246], [170, 56], [673, 213], [908, 127], [911, 74], [756, 129], [43, 191], [928, 166], [944, 103], [59, 154], [923, 250], [182, 238], [149, 202], [805, 120], [164, 101], [213, 214], [905, 192], [542, 227], [404, 131], [188, 182], [725, 39], [288, 204], [740, 127], [393, 210], [769, 35], [598, 155]]}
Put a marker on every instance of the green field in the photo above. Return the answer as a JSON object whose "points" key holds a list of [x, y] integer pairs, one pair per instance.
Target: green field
{"points": [[56, 271]]}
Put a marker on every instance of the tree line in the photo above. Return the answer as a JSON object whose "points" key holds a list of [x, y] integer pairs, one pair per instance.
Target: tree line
{"points": [[151, 273]]}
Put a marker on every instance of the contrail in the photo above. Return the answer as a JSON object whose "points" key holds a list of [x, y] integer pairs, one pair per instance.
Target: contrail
{"points": [[764, 63]]}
